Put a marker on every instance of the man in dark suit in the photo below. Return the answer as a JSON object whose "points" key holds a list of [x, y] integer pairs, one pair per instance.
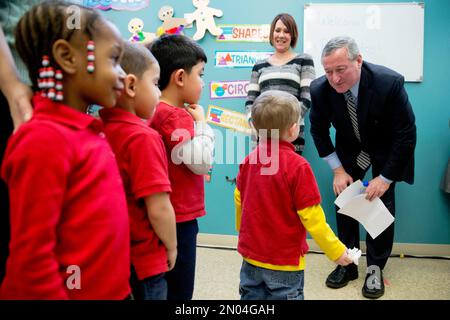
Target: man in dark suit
{"points": [[375, 126]]}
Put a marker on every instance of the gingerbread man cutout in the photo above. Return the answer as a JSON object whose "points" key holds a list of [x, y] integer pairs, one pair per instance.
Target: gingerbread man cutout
{"points": [[204, 18], [170, 24], [135, 26]]}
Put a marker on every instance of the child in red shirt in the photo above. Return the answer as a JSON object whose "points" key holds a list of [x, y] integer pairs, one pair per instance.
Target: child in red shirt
{"points": [[189, 143], [69, 222], [142, 161], [277, 202]]}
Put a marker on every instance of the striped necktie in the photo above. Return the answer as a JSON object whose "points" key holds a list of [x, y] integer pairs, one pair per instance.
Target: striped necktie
{"points": [[363, 159]]}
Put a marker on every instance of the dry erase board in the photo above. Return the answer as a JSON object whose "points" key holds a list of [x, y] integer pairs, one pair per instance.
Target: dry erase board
{"points": [[389, 34]]}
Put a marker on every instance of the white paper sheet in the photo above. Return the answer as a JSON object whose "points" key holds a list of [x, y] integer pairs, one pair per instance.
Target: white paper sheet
{"points": [[349, 193], [373, 215]]}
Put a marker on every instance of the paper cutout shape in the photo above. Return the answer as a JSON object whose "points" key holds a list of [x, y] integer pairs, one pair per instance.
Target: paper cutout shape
{"points": [[208, 175], [129, 5], [135, 26], [170, 24], [204, 19]]}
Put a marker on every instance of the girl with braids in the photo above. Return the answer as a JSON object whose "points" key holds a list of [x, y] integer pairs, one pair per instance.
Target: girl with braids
{"points": [[69, 221], [15, 102]]}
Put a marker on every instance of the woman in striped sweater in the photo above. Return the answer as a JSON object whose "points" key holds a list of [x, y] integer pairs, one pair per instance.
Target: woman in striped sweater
{"points": [[285, 70]]}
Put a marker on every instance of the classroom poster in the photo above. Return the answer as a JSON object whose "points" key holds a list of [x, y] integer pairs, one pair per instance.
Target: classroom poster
{"points": [[228, 119], [244, 33], [228, 89], [239, 59]]}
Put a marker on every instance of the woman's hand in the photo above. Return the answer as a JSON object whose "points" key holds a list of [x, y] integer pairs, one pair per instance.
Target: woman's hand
{"points": [[19, 99]]}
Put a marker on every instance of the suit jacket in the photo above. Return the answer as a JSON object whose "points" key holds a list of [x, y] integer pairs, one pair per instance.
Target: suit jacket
{"points": [[385, 119]]}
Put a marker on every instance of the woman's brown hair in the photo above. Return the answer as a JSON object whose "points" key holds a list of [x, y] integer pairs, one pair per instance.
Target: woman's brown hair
{"points": [[290, 24]]}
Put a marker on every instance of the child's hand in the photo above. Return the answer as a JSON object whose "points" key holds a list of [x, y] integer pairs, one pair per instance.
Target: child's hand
{"points": [[196, 111], [344, 259], [171, 258]]}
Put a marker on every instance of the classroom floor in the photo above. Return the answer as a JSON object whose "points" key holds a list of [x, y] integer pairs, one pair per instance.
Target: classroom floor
{"points": [[217, 278]]}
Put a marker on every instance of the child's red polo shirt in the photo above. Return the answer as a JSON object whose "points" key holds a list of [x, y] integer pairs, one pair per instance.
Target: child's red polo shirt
{"points": [[142, 161], [69, 222], [188, 189], [271, 230]]}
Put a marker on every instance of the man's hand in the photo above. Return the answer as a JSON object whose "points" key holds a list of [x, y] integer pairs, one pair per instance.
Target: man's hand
{"points": [[377, 187], [341, 180]]}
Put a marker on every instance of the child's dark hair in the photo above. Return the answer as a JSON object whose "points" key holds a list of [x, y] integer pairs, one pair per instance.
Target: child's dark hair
{"points": [[136, 59], [43, 24], [175, 52]]}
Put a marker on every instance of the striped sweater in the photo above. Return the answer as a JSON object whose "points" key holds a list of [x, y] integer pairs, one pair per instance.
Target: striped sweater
{"points": [[293, 77]]}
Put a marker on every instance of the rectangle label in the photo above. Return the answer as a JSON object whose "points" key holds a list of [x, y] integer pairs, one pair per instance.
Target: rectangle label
{"points": [[228, 119], [244, 33]]}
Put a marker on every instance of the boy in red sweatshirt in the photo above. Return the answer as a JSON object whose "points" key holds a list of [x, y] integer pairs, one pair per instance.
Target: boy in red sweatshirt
{"points": [[277, 202]]}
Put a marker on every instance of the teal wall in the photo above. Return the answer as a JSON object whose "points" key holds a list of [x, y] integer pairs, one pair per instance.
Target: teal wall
{"points": [[423, 210]]}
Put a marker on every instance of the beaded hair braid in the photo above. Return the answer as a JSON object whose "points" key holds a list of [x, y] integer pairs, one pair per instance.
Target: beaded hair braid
{"points": [[42, 25]]}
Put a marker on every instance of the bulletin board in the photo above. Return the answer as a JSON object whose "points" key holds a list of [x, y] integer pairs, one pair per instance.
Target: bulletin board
{"points": [[390, 34]]}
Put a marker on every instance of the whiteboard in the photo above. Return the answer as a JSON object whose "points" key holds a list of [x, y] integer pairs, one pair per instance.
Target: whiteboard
{"points": [[390, 34]]}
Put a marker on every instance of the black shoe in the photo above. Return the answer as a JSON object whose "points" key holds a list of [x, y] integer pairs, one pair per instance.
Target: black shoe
{"points": [[341, 276], [374, 284]]}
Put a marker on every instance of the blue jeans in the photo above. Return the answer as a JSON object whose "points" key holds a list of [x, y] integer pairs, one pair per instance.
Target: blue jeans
{"points": [[264, 284], [151, 288], [180, 279]]}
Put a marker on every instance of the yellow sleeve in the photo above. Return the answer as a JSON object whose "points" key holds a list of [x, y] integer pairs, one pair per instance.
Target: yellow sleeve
{"points": [[313, 218], [237, 203]]}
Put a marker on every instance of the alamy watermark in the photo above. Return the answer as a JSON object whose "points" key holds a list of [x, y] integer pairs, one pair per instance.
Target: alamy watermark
{"points": [[74, 280], [73, 20], [232, 148]]}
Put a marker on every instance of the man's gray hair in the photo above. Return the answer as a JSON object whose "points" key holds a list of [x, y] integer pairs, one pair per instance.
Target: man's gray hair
{"points": [[341, 42]]}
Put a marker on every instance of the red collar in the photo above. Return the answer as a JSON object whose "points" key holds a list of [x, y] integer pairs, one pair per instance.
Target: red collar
{"points": [[120, 115], [282, 144], [45, 108]]}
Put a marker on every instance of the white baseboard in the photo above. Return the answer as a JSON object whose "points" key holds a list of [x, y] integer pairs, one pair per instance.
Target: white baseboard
{"points": [[230, 242]]}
